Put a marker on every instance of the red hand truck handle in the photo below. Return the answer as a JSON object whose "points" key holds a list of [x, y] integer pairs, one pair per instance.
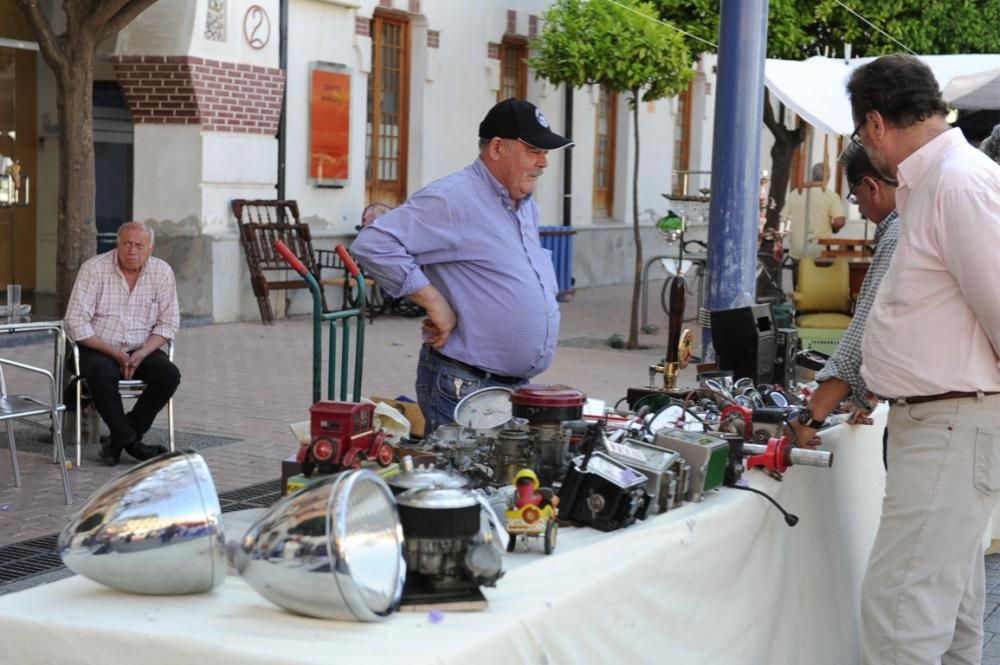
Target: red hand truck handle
{"points": [[293, 260], [345, 256]]}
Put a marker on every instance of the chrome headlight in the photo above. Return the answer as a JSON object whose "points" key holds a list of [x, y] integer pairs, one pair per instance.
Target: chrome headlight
{"points": [[155, 529], [333, 550]]}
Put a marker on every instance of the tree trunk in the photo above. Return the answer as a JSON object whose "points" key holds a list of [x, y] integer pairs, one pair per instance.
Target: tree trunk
{"points": [[785, 142], [76, 225], [633, 326]]}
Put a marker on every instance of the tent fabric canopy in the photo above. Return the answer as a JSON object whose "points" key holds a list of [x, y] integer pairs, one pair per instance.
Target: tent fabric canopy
{"points": [[815, 89]]}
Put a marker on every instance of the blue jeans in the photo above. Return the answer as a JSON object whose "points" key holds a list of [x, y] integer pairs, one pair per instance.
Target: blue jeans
{"points": [[441, 385]]}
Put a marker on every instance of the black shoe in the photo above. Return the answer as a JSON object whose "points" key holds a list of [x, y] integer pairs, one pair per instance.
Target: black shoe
{"points": [[143, 452], [110, 456]]}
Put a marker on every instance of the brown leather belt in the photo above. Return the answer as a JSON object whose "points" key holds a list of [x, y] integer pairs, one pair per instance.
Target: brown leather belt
{"points": [[954, 394]]}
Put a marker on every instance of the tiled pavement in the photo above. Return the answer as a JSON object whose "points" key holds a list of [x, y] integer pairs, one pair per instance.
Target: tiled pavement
{"points": [[247, 381]]}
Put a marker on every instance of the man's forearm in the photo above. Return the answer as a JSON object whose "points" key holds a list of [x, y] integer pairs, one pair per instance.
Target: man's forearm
{"points": [[152, 343], [828, 397]]}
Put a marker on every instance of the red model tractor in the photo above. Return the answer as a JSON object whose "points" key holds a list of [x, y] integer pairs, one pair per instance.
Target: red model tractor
{"points": [[342, 437]]}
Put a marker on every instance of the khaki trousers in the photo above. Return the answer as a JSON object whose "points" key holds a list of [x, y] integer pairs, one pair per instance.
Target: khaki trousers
{"points": [[924, 590]]}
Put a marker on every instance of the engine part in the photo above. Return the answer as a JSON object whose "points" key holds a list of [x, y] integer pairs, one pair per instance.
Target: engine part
{"points": [[446, 546], [423, 477]]}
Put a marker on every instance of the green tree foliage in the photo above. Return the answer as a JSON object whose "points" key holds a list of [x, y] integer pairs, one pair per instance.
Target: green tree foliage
{"points": [[627, 50]]}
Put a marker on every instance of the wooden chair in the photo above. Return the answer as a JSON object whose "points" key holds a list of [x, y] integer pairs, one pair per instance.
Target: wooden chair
{"points": [[261, 223]]}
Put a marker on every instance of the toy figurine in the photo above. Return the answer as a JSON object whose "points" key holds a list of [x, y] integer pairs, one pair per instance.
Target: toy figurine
{"points": [[533, 512]]}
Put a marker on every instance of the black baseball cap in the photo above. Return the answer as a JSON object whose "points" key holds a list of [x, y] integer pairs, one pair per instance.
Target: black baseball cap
{"points": [[517, 119]]}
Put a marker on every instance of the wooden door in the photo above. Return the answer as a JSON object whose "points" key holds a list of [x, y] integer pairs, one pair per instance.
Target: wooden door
{"points": [[388, 107]]}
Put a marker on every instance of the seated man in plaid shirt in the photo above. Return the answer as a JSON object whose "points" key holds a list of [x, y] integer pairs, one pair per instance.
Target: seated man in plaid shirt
{"points": [[123, 309], [841, 378]]}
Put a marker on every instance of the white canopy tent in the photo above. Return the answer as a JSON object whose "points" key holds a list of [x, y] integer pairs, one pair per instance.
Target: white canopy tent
{"points": [[815, 88]]}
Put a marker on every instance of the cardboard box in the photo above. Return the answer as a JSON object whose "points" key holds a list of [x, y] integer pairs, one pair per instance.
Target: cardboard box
{"points": [[409, 409]]}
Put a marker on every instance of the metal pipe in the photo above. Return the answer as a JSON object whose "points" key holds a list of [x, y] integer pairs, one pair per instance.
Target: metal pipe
{"points": [[568, 159], [282, 117], [800, 456], [739, 109]]}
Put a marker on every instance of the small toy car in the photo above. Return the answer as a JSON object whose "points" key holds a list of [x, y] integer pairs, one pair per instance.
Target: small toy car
{"points": [[342, 436], [533, 512]]}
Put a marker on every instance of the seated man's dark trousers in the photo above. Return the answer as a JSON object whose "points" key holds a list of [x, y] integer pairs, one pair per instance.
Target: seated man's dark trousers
{"points": [[103, 374]]}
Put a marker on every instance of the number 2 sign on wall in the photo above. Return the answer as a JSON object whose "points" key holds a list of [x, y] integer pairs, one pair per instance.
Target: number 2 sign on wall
{"points": [[256, 27]]}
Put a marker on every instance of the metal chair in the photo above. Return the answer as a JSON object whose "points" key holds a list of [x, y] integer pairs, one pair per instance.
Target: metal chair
{"points": [[25, 408], [129, 389]]}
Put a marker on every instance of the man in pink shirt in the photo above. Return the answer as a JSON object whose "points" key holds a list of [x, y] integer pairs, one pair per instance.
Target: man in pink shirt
{"points": [[931, 347]]}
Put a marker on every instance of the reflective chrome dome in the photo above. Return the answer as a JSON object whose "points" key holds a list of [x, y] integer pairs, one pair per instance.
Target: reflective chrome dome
{"points": [[155, 529], [333, 550]]}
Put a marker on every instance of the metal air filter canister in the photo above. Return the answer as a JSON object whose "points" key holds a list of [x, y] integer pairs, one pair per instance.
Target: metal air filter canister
{"points": [[546, 404]]}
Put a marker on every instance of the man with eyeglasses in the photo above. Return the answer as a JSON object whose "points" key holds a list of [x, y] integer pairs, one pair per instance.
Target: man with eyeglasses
{"points": [[841, 378], [123, 309], [931, 346]]}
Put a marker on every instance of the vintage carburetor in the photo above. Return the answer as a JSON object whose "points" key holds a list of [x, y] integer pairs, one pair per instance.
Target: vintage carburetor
{"points": [[447, 549], [546, 408]]}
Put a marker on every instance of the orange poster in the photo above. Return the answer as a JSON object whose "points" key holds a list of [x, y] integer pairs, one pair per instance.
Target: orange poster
{"points": [[330, 122]]}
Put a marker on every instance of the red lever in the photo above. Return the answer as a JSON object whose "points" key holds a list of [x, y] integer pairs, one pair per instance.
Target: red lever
{"points": [[775, 458], [747, 418], [345, 256], [293, 260]]}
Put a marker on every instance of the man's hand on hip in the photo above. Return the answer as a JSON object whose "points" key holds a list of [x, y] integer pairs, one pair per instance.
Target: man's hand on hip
{"points": [[441, 319]]}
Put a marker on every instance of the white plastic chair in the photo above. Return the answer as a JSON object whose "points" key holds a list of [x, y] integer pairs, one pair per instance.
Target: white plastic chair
{"points": [[129, 389]]}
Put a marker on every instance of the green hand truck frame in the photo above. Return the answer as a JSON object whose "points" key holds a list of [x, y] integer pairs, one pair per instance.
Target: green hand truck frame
{"points": [[343, 316]]}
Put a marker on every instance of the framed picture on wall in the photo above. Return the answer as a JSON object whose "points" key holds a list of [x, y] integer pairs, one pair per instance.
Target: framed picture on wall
{"points": [[329, 125]]}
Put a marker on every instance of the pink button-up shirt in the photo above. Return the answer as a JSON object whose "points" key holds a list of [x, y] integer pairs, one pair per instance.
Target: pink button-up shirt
{"points": [[935, 324]]}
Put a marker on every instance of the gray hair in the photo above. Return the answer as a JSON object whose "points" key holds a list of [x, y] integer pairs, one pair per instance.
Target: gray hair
{"points": [[991, 145], [140, 226], [817, 172]]}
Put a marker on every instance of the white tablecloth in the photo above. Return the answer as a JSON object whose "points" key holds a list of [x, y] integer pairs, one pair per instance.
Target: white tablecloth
{"points": [[724, 581]]}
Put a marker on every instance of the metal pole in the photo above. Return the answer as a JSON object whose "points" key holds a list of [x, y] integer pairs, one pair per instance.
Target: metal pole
{"points": [[282, 118], [568, 159], [739, 115]]}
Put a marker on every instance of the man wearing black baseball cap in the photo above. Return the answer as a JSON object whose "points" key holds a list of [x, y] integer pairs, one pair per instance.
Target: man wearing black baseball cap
{"points": [[466, 249]]}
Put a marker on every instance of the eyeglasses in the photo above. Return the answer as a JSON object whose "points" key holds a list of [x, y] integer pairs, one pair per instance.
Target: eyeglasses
{"points": [[852, 198], [855, 136]]}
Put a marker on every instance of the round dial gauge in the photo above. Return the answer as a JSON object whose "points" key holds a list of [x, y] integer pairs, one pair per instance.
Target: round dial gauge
{"points": [[487, 408]]}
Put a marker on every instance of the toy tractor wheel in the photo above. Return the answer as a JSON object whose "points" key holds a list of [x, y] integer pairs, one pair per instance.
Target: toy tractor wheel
{"points": [[385, 455], [512, 542], [551, 531]]}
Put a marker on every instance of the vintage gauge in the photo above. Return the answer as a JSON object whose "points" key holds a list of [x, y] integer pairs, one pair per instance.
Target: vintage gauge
{"points": [[488, 408]]}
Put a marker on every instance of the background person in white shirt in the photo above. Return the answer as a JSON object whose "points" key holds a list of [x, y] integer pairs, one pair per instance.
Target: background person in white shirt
{"points": [[931, 345]]}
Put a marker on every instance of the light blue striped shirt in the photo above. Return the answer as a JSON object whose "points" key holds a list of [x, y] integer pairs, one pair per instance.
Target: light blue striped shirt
{"points": [[463, 234]]}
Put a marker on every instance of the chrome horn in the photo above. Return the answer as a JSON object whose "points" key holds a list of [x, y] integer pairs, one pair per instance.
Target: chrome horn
{"points": [[156, 529], [333, 550]]}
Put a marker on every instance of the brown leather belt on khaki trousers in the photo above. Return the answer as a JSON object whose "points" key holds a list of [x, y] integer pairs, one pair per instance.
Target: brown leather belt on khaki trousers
{"points": [[954, 394]]}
